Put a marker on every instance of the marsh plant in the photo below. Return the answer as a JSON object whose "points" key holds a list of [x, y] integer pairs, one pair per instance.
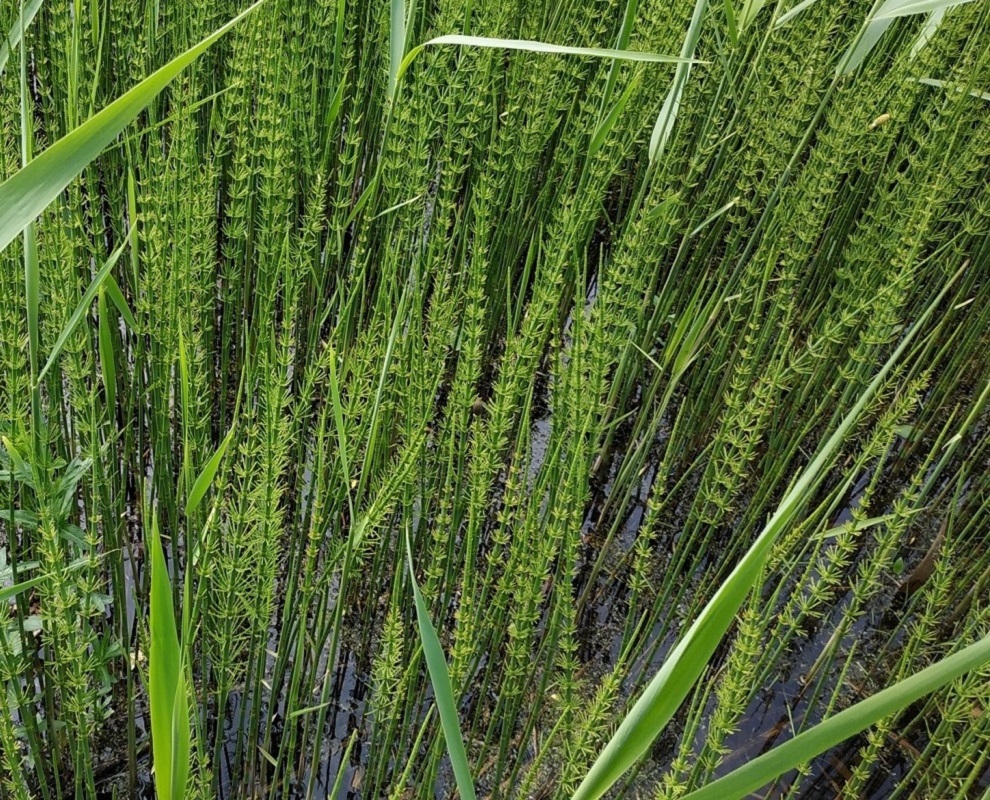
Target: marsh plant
{"points": [[405, 399]]}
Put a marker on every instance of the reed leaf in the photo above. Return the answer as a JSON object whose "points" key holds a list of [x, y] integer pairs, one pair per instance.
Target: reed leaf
{"points": [[664, 125], [443, 692], [13, 38], [750, 9], [681, 669], [28, 192], [84, 304], [892, 9], [107, 358], [879, 22], [808, 744], [799, 9], [206, 476], [396, 42], [528, 46], [171, 739]]}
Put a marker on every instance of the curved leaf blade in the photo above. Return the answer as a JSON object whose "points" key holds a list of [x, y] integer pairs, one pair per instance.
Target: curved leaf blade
{"points": [[443, 692], [82, 308], [107, 359], [684, 666], [787, 16], [164, 674], [529, 46], [117, 296], [205, 478], [807, 745], [13, 38], [671, 105], [31, 190], [893, 9]]}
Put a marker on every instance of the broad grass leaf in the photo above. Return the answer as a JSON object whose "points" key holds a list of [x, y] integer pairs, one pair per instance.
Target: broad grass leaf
{"points": [[29, 191], [32, 293], [606, 125], [10, 592], [185, 394], [741, 782], [787, 16], [443, 693], [941, 85], [181, 739], [893, 9], [396, 42], [863, 46], [205, 478], [528, 46], [731, 23], [664, 125], [878, 24], [749, 11], [165, 677], [82, 307], [931, 26], [117, 296], [107, 359]]}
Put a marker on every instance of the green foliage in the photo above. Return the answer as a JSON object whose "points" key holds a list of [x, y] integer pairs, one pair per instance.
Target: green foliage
{"points": [[167, 693], [436, 663], [379, 267]]}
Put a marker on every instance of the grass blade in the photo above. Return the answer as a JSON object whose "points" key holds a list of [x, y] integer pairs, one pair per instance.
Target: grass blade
{"points": [[877, 25], [863, 45], [29, 191], [749, 11], [181, 739], [731, 23], [32, 292], [9, 592], [345, 759], [205, 478], [893, 9], [800, 8], [396, 43], [82, 308], [931, 26], [443, 692], [621, 43], [941, 85], [166, 683], [184, 397], [529, 46], [13, 38], [671, 105], [606, 125], [117, 296], [671, 685], [107, 360], [807, 745]]}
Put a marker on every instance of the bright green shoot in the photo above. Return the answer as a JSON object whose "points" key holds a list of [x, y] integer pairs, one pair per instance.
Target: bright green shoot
{"points": [[528, 46], [443, 692], [13, 38], [171, 738]]}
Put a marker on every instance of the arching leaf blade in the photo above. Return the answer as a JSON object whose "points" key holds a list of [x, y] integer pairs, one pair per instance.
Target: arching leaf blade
{"points": [[29, 191]]}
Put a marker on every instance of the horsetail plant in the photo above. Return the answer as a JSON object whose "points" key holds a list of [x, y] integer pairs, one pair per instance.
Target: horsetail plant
{"points": [[664, 373]]}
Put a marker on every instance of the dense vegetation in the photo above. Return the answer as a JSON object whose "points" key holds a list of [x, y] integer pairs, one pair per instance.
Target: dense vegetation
{"points": [[573, 326]]}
